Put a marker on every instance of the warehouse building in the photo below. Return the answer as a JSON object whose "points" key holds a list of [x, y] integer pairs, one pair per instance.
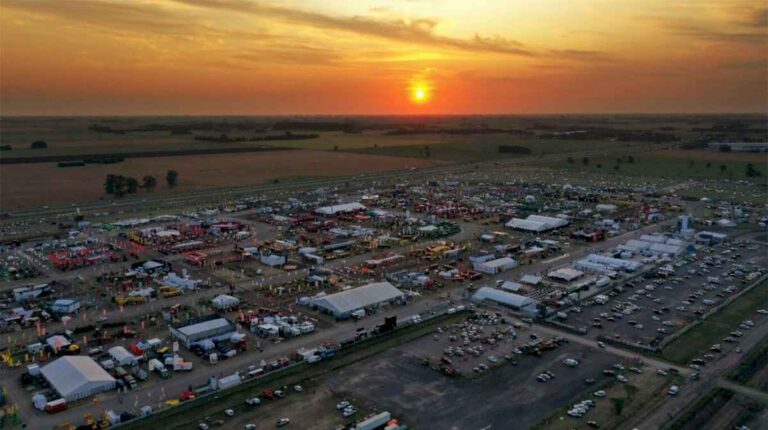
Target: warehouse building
{"points": [[595, 263], [654, 245], [537, 223], [77, 377], [498, 265], [566, 274], [211, 327], [523, 304], [342, 305]]}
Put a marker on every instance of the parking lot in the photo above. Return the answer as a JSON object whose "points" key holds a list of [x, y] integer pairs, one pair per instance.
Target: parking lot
{"points": [[647, 310], [509, 396]]}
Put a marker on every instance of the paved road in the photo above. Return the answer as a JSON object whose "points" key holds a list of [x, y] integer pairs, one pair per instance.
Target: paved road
{"points": [[750, 392]]}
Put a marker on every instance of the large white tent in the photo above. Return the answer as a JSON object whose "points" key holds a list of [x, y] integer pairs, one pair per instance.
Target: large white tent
{"points": [[537, 223], [335, 209], [77, 377], [342, 304]]}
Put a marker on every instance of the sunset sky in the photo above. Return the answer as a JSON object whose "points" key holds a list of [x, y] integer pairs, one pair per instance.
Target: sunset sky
{"points": [[104, 57]]}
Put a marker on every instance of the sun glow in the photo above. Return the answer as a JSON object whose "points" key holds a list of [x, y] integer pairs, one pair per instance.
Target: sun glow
{"points": [[420, 93]]}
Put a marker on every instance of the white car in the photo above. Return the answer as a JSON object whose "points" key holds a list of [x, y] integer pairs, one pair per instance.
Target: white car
{"points": [[600, 393], [348, 412], [202, 426], [298, 388], [229, 412], [622, 379], [570, 362], [673, 390], [250, 427], [342, 405]]}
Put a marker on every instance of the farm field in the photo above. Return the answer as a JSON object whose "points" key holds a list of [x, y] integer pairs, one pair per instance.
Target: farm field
{"points": [[484, 148], [25, 185], [677, 164]]}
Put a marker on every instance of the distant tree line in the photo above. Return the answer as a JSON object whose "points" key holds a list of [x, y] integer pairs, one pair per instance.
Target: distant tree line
{"points": [[119, 185], [224, 138], [511, 149]]}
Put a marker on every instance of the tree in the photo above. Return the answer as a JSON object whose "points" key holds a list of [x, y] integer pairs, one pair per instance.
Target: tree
{"points": [[39, 144], [690, 164], [708, 165], [171, 178], [618, 405], [149, 183], [616, 167], [585, 161], [335, 147], [571, 160], [599, 166], [109, 184], [723, 168], [426, 151], [120, 184], [751, 172], [630, 159], [131, 185]]}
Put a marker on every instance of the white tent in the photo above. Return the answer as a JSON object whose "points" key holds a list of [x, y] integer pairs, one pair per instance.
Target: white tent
{"points": [[224, 301], [77, 377]]}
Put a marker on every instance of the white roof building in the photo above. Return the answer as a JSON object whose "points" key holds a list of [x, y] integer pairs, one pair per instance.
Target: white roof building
{"points": [[335, 209], [213, 328], [511, 286], [565, 274], [521, 303], [495, 266], [344, 303], [77, 377], [531, 280], [537, 223], [225, 301]]}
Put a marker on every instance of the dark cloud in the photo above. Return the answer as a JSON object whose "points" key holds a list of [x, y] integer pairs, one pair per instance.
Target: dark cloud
{"points": [[419, 31], [688, 29], [582, 55]]}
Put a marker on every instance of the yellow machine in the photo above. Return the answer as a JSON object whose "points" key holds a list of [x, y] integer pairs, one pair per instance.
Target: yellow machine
{"points": [[170, 291]]}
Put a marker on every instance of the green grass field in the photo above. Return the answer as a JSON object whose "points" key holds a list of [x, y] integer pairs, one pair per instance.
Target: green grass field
{"points": [[650, 165], [716, 327]]}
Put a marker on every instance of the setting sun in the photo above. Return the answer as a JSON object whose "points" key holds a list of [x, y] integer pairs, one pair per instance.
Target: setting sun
{"points": [[419, 94]]}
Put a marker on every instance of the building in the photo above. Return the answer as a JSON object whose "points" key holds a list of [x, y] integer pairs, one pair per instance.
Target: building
{"points": [[65, 306], [122, 357], [537, 223], [211, 327], [653, 245], [343, 208], [566, 274], [77, 377], [531, 280], [595, 263], [709, 238], [523, 304], [343, 304], [225, 302], [498, 265], [510, 286]]}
